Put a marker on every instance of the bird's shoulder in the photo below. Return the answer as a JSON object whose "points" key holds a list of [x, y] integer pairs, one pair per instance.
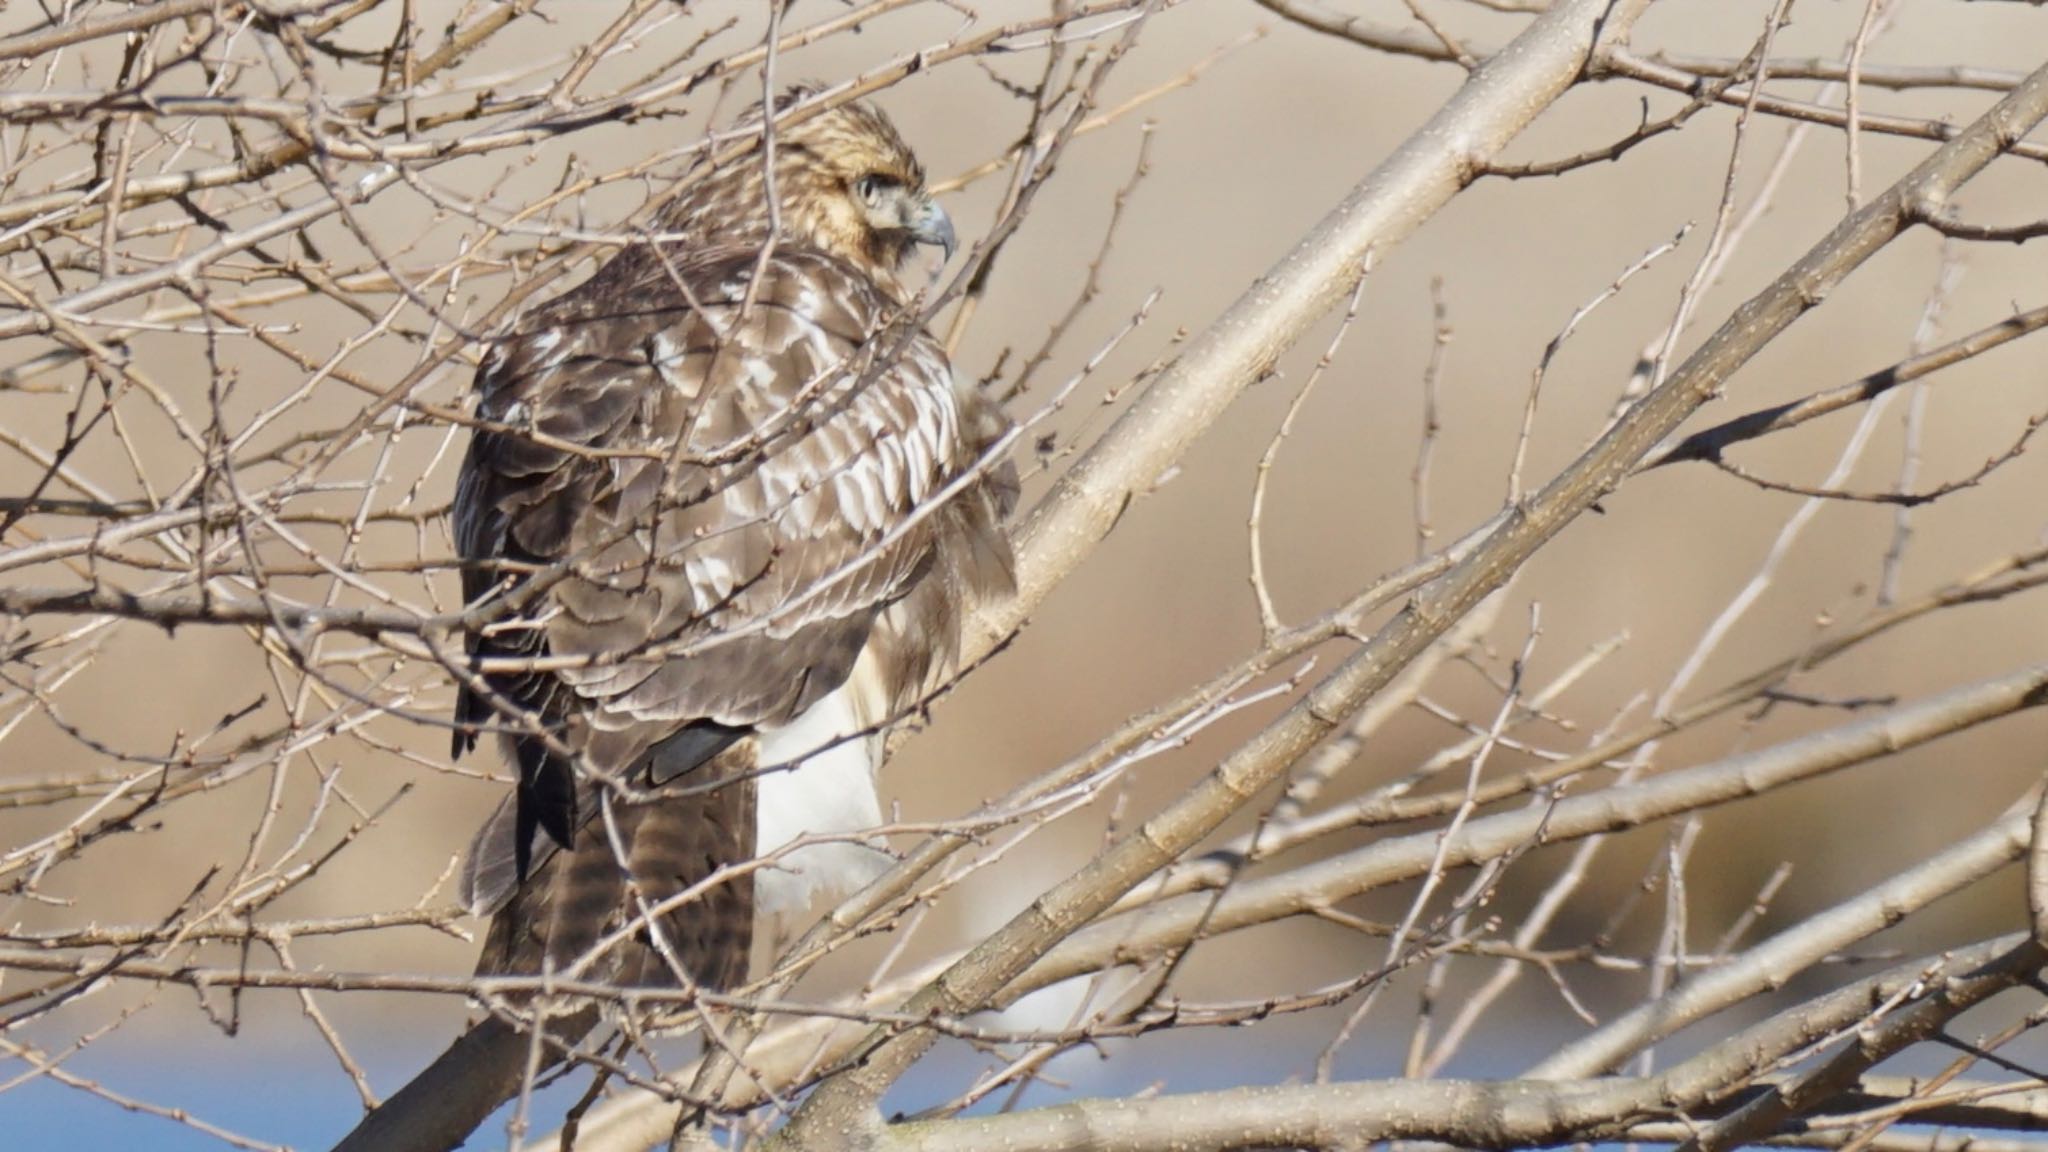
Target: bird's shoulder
{"points": [[794, 363], [656, 288]]}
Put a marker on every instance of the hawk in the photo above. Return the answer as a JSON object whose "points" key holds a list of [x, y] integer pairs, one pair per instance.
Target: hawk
{"points": [[734, 504]]}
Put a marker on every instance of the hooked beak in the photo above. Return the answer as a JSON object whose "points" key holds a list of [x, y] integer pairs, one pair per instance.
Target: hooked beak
{"points": [[929, 224]]}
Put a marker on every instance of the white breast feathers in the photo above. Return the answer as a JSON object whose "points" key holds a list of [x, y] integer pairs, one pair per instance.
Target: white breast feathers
{"points": [[818, 778]]}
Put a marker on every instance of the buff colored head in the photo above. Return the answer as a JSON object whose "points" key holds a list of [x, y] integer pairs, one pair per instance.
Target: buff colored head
{"points": [[845, 182]]}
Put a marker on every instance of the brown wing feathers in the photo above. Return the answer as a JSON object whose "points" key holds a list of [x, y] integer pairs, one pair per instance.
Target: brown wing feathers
{"points": [[725, 484], [666, 554]]}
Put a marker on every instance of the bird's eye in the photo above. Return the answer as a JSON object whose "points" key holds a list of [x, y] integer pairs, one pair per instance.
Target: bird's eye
{"points": [[871, 187]]}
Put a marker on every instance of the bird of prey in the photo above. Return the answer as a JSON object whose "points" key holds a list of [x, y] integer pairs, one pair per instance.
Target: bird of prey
{"points": [[732, 504]]}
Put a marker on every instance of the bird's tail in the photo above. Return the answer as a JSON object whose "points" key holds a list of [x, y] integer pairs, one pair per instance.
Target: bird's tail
{"points": [[570, 903], [637, 860]]}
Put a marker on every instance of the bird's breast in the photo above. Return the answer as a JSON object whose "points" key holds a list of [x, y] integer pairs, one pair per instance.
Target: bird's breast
{"points": [[818, 779]]}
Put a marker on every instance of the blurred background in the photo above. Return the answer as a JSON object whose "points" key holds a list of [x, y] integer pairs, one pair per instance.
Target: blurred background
{"points": [[1257, 126]]}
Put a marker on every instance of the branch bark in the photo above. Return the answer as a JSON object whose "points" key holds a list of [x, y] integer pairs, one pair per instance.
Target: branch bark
{"points": [[1469, 1113], [1775, 962], [1327, 882]]}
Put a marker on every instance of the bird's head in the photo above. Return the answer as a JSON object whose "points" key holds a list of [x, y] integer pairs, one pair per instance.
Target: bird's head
{"points": [[845, 182]]}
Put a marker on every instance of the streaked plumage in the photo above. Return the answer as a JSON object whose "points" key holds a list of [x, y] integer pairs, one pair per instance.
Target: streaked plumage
{"points": [[733, 498]]}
